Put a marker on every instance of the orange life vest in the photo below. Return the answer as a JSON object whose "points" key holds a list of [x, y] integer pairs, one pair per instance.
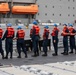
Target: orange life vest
{"points": [[71, 31], [54, 30], [10, 32], [64, 33], [44, 33], [21, 34], [1, 32], [37, 29]]}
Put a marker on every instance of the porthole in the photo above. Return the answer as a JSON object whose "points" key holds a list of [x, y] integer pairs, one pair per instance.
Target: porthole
{"points": [[68, 0], [53, 14], [73, 0], [45, 14], [73, 15], [45, 6], [53, 6], [59, 14], [68, 7], [68, 14], [73, 7]]}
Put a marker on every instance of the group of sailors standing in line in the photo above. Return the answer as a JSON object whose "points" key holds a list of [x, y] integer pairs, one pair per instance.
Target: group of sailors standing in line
{"points": [[34, 34]]}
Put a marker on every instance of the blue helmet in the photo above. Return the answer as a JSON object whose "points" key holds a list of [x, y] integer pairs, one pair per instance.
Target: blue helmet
{"points": [[55, 25], [35, 22], [46, 26], [9, 25], [71, 25], [65, 24], [19, 27]]}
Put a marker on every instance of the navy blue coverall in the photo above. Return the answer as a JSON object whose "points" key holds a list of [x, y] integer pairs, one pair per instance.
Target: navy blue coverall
{"points": [[65, 43], [45, 43], [55, 44], [21, 45], [8, 44], [35, 41], [72, 41], [1, 50]]}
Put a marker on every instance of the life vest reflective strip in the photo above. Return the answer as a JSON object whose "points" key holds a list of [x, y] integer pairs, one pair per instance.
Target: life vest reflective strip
{"points": [[21, 33], [1, 32], [10, 32]]}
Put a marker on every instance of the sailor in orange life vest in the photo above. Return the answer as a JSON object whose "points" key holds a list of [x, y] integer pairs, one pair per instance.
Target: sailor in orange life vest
{"points": [[72, 32], [45, 39], [20, 41], [1, 50], [9, 35], [54, 35], [35, 38], [65, 33]]}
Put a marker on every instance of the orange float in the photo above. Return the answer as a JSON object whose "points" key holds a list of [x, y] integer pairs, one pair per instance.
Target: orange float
{"points": [[4, 8], [31, 9]]}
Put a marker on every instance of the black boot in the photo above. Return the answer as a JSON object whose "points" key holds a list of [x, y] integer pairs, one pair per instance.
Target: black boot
{"points": [[63, 53], [55, 54], [25, 55], [34, 55], [45, 54], [37, 53], [2, 55], [75, 51], [11, 55], [19, 55], [6, 56], [71, 52]]}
